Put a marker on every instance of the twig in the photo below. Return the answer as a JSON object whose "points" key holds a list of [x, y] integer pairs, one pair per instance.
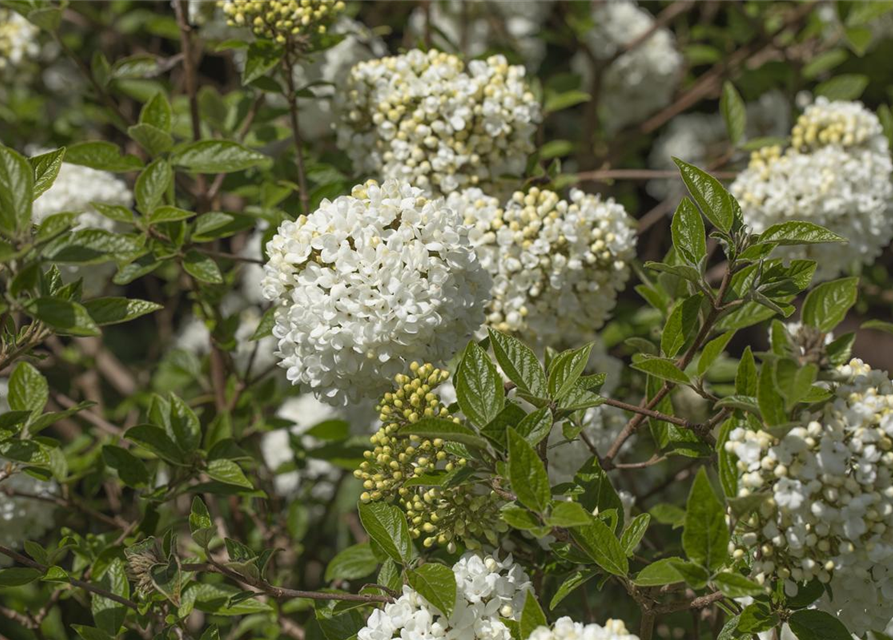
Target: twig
{"points": [[288, 68]]}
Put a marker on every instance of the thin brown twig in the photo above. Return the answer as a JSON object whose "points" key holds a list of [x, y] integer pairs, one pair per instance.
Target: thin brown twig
{"points": [[288, 69]]}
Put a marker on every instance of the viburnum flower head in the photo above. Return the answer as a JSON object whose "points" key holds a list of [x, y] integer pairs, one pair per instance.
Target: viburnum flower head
{"points": [[488, 590], [429, 119], [567, 629], [281, 20], [556, 264], [837, 173], [827, 499], [366, 284], [18, 39]]}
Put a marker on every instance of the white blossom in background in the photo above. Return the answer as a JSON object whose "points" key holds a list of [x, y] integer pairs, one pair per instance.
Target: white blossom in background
{"points": [[73, 191], [827, 511], [699, 138], [640, 81], [520, 22], [566, 629], [431, 120], [837, 173], [368, 283], [18, 40], [305, 412], [331, 68], [487, 590], [557, 265]]}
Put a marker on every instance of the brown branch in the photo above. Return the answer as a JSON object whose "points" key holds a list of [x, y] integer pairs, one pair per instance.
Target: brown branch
{"points": [[288, 70], [650, 413]]}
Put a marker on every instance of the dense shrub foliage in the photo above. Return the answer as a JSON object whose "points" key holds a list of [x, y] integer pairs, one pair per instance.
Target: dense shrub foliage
{"points": [[553, 320]]}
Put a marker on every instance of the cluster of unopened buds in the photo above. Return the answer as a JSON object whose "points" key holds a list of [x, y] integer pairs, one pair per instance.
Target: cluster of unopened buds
{"points": [[437, 514], [842, 123], [281, 20]]}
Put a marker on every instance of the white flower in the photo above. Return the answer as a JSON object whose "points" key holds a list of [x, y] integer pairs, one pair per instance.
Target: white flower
{"points": [[639, 81], [75, 188], [827, 511], [367, 283], [471, 26], [837, 173], [557, 265], [426, 118], [18, 40], [567, 629], [487, 590]]}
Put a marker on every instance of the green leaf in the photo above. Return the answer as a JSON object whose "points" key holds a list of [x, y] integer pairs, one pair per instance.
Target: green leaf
{"points": [[157, 113], [228, 472], [568, 514], [18, 576], [847, 86], [116, 310], [104, 156], [734, 585], [598, 494], [733, 112], [200, 524], [811, 624], [168, 214], [519, 363], [662, 368], [826, 306], [108, 614], [202, 267], [795, 232], [693, 574], [353, 563], [536, 426], [599, 543], [532, 616], [152, 139], [90, 246], [157, 441], [445, 429], [794, 380], [115, 212], [263, 55], [756, 618], [386, 525], [705, 537], [823, 62], [634, 533], [216, 224], [576, 580], [768, 396], [878, 325], [16, 191], [185, 425], [714, 201], [217, 156], [746, 377], [689, 234], [131, 470], [712, 350], [479, 389], [64, 316], [91, 633], [28, 389], [436, 583], [560, 101], [681, 325], [151, 186], [566, 369], [46, 168], [528, 476], [659, 573]]}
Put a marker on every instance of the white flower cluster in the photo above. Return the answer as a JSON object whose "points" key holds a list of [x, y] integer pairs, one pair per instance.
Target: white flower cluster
{"points": [[73, 191], [827, 508], [329, 69], [567, 629], [640, 81], [836, 173], [557, 265], [366, 284], [700, 138], [470, 26], [487, 590], [306, 412], [18, 40], [426, 118]]}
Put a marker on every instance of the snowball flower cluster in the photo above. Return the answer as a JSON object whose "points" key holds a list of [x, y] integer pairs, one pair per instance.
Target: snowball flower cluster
{"points": [[369, 282], [18, 39], [281, 20], [487, 590], [639, 81], [557, 265], [426, 118], [73, 191], [827, 499], [567, 629], [470, 25], [837, 173]]}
